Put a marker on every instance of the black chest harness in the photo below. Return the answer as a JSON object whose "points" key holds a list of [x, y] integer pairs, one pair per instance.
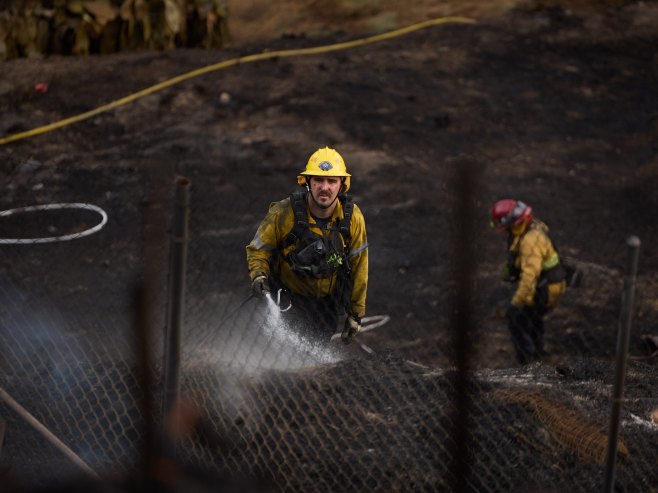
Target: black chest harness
{"points": [[320, 257]]}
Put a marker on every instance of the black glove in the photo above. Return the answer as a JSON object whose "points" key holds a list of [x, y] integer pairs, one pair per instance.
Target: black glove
{"points": [[511, 273], [260, 286], [351, 328]]}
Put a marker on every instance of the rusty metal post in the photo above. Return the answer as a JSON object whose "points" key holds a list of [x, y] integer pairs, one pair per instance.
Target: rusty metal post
{"points": [[466, 170], [176, 294], [623, 338], [46, 433]]}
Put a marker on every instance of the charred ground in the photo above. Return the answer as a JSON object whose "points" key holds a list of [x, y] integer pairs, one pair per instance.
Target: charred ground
{"points": [[554, 106]]}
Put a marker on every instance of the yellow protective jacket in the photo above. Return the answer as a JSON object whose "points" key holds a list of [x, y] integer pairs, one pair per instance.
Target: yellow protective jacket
{"points": [[535, 254], [275, 228]]}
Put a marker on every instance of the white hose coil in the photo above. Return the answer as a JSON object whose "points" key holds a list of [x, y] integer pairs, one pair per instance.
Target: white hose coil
{"points": [[369, 323], [52, 239], [372, 323]]}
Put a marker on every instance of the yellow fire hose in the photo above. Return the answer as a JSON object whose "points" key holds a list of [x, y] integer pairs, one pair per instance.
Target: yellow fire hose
{"points": [[230, 63]]}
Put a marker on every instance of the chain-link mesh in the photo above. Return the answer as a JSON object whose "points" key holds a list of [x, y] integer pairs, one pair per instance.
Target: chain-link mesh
{"points": [[267, 406], [274, 404]]}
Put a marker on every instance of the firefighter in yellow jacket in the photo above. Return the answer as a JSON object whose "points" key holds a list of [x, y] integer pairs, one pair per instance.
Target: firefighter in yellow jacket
{"points": [[534, 262], [313, 246]]}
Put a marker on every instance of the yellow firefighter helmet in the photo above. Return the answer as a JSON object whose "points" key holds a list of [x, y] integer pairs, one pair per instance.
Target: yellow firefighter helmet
{"points": [[325, 162]]}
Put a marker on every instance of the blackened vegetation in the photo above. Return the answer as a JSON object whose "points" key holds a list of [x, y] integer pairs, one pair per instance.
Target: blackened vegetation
{"points": [[559, 109], [383, 423]]}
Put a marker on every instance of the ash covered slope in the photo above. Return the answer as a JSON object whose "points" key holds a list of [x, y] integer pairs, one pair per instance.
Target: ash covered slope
{"points": [[384, 424]]}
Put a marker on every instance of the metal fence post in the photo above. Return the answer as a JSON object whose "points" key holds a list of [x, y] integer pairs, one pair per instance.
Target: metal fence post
{"points": [[176, 294], [45, 432], [466, 171], [623, 337]]}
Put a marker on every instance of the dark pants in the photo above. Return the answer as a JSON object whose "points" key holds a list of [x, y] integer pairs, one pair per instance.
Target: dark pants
{"points": [[526, 325]]}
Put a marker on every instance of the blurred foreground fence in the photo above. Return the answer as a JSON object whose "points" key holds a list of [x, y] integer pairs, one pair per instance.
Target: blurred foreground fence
{"points": [[260, 408]]}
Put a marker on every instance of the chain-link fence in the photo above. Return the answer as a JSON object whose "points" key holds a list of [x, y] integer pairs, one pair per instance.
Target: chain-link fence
{"points": [[272, 408], [430, 396]]}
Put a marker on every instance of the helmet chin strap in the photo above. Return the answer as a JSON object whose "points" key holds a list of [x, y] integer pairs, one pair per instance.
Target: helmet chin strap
{"points": [[323, 207]]}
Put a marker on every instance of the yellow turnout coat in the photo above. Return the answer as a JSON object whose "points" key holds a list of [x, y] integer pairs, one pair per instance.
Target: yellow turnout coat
{"points": [[275, 228], [535, 254]]}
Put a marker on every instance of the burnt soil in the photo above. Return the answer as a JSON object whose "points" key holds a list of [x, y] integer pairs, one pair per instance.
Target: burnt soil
{"points": [[553, 106], [548, 106]]}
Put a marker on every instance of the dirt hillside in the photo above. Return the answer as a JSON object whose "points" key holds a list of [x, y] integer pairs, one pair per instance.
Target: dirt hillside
{"points": [[553, 103]]}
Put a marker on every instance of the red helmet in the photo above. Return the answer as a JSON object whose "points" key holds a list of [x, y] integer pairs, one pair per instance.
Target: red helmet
{"points": [[508, 213]]}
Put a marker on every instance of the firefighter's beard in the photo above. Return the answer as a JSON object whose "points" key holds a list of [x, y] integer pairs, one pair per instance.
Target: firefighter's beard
{"points": [[320, 204]]}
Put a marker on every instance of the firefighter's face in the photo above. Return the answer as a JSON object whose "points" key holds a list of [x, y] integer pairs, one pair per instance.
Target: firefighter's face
{"points": [[325, 189]]}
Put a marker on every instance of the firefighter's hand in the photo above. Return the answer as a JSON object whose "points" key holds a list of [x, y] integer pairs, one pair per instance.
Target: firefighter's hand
{"points": [[259, 286], [351, 328]]}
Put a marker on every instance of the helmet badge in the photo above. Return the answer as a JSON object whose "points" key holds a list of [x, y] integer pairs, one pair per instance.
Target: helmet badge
{"points": [[325, 166]]}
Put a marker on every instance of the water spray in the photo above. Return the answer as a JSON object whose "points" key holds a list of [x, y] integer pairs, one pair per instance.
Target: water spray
{"points": [[286, 343], [277, 301], [268, 295], [280, 332]]}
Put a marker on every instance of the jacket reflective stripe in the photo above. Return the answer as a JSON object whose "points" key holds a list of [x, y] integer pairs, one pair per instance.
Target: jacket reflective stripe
{"points": [[552, 261], [357, 251], [259, 244]]}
